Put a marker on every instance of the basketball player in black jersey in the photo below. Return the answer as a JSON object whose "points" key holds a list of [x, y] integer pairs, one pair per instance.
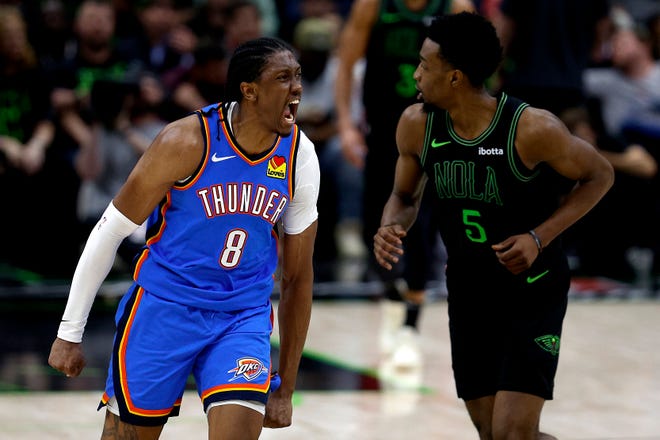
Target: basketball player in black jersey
{"points": [[387, 34], [490, 162]]}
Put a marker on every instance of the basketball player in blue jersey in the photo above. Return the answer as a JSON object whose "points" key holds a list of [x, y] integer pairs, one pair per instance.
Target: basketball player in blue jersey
{"points": [[226, 191], [491, 161]]}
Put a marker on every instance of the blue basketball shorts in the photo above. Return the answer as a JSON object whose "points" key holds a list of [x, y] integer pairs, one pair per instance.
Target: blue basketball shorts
{"points": [[159, 344]]}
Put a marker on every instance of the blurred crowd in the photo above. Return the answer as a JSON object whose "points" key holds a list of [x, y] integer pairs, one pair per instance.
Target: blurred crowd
{"points": [[85, 86]]}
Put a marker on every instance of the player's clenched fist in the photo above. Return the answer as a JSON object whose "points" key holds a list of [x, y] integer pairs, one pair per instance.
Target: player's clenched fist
{"points": [[67, 357]]}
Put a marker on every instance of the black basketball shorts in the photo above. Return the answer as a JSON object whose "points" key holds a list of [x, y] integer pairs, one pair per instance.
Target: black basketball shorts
{"points": [[506, 329]]}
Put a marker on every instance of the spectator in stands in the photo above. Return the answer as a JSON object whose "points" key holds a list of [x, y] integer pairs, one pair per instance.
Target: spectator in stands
{"points": [[243, 22], [209, 19], [51, 30], [208, 22], [548, 44], [127, 24], [165, 45], [631, 159], [638, 10], [126, 122], [94, 57], [628, 96], [635, 169], [270, 20], [203, 84], [25, 135], [293, 11], [629, 88]]}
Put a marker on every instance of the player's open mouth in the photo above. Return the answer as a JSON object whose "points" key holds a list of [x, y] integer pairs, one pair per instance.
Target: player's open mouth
{"points": [[291, 110]]}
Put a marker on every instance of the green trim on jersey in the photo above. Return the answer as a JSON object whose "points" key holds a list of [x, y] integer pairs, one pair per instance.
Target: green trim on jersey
{"points": [[511, 146], [482, 136], [427, 136]]}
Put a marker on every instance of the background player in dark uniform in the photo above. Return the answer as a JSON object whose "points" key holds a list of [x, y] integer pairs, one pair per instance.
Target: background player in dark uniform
{"points": [[216, 186], [388, 35], [485, 159]]}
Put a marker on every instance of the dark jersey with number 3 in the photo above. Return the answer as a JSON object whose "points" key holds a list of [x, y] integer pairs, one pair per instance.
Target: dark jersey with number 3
{"points": [[483, 190], [393, 56]]}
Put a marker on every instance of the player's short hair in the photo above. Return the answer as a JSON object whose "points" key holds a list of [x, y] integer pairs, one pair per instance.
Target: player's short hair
{"points": [[248, 62], [469, 42]]}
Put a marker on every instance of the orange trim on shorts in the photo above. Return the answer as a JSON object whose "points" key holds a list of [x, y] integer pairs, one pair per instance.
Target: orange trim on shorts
{"points": [[123, 382], [241, 387]]}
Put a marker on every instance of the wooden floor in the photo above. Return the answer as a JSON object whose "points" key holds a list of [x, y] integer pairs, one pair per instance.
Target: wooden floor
{"points": [[608, 384]]}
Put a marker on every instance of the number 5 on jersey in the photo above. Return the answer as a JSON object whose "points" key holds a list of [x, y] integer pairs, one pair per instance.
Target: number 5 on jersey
{"points": [[474, 231]]}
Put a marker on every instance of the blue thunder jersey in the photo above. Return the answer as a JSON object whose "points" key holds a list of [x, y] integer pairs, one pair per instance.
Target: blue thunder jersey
{"points": [[484, 192], [212, 242]]}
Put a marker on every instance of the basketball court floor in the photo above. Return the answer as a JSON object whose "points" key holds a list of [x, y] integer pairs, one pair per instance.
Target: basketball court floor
{"points": [[607, 387]]}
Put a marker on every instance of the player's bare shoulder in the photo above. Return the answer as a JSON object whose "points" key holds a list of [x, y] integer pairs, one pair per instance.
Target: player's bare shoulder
{"points": [[411, 129], [180, 145], [536, 121], [182, 133], [539, 134]]}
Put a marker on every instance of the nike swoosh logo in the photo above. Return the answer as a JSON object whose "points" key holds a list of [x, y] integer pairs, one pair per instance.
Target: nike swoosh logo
{"points": [[531, 280], [215, 158], [435, 144]]}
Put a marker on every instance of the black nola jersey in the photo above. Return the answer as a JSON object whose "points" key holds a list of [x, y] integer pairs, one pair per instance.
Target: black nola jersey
{"points": [[484, 192]]}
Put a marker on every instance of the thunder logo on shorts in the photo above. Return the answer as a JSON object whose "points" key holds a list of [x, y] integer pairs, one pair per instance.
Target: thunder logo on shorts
{"points": [[247, 368]]}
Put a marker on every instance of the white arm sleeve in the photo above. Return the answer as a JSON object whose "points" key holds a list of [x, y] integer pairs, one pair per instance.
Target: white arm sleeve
{"points": [[302, 210], [94, 265]]}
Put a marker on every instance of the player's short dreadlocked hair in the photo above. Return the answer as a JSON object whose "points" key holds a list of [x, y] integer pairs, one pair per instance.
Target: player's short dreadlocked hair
{"points": [[468, 42], [248, 61]]}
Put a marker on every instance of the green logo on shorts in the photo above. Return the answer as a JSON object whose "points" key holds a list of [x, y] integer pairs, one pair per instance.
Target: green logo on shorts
{"points": [[549, 343]]}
